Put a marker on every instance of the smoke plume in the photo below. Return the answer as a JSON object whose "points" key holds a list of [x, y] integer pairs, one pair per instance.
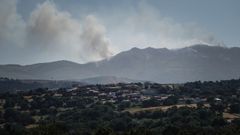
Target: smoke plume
{"points": [[94, 39], [12, 25], [53, 33], [147, 27], [49, 34]]}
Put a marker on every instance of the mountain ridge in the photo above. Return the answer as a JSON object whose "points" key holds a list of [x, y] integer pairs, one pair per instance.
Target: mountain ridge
{"points": [[197, 62]]}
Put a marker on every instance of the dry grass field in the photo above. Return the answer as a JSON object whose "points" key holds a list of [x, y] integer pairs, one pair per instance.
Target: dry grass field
{"points": [[163, 108]]}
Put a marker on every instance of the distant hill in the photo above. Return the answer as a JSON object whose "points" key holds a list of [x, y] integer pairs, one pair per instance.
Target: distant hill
{"points": [[107, 80], [11, 85], [198, 62]]}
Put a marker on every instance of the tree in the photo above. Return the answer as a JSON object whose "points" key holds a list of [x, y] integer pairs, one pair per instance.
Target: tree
{"points": [[151, 102], [139, 131], [172, 100], [234, 108], [9, 103], [123, 105], [218, 122], [50, 129], [12, 115], [200, 105], [104, 131], [218, 107], [170, 130]]}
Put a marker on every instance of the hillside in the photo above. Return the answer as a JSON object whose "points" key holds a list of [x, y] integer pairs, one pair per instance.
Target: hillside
{"points": [[198, 62]]}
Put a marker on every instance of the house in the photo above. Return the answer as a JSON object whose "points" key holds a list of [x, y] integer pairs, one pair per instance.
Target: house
{"points": [[57, 95]]}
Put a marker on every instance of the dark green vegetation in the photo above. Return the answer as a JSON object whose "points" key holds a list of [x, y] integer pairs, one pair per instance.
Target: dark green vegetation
{"points": [[7, 85], [101, 110]]}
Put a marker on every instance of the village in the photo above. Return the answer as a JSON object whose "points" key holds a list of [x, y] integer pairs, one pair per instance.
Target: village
{"points": [[121, 95], [83, 103]]}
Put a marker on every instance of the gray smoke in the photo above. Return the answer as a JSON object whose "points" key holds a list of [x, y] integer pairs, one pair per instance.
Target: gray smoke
{"points": [[11, 24], [94, 39], [53, 33], [58, 30], [50, 34], [147, 27]]}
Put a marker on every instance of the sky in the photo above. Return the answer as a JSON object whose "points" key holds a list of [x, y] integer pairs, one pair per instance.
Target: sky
{"points": [[34, 31]]}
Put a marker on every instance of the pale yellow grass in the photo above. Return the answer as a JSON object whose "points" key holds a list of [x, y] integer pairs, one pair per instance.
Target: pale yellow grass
{"points": [[230, 116], [163, 108]]}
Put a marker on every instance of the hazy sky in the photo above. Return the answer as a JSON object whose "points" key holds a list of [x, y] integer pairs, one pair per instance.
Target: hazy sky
{"points": [[33, 31]]}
